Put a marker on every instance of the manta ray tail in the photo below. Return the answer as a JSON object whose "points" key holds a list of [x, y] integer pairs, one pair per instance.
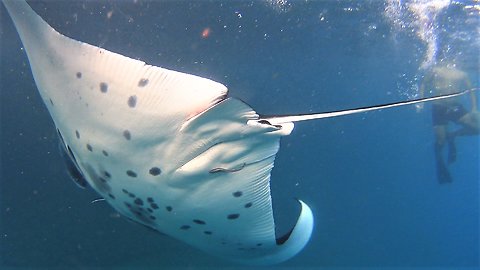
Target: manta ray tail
{"points": [[278, 120]]}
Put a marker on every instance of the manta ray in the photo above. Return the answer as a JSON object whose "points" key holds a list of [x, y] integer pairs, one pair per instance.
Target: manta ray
{"points": [[166, 149]]}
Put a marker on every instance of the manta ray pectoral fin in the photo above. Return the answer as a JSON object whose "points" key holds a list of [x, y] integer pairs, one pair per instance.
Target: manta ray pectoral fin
{"points": [[77, 79], [296, 118], [293, 242]]}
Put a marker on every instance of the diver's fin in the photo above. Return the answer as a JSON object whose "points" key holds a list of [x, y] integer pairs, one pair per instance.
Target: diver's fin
{"points": [[277, 120]]}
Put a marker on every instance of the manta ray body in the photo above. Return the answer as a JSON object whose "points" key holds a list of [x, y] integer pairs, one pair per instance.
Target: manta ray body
{"points": [[166, 149]]}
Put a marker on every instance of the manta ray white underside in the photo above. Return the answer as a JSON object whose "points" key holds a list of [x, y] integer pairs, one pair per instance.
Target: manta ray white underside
{"points": [[166, 149]]}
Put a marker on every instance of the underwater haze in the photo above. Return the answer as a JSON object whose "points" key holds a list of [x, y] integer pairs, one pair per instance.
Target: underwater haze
{"points": [[371, 179]]}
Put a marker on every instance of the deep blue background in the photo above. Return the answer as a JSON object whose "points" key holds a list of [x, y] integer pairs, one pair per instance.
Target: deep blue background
{"points": [[370, 178]]}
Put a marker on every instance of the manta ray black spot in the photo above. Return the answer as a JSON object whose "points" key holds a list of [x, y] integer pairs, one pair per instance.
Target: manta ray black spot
{"points": [[233, 216], [132, 101], [237, 194], [154, 206], [98, 184], [77, 134], [150, 210], [155, 171], [141, 214], [107, 174], [131, 195], [103, 180], [111, 196], [103, 87], [51, 102], [153, 217], [138, 201], [207, 232], [185, 227], [127, 204], [150, 200], [248, 205], [131, 173], [169, 208], [127, 135], [259, 244], [142, 82], [89, 147], [200, 222], [79, 75], [105, 153]]}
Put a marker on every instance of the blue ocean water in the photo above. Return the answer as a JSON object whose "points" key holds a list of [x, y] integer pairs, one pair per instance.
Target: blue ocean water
{"points": [[370, 178]]}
